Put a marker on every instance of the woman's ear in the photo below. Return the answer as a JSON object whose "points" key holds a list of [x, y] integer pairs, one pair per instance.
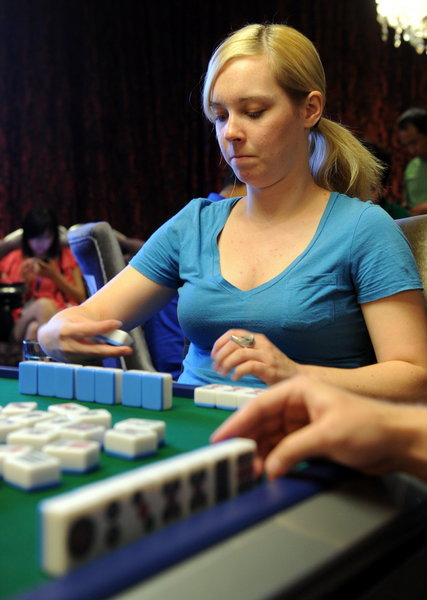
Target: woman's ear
{"points": [[313, 108]]}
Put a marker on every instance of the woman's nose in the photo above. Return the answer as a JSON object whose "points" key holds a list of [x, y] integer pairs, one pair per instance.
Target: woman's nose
{"points": [[233, 130]]}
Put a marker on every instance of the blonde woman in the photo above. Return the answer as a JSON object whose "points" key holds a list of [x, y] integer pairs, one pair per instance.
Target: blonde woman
{"points": [[298, 275]]}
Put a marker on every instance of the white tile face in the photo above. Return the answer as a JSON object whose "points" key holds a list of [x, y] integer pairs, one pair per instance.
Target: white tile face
{"points": [[7, 425], [17, 408], [155, 424], [76, 456], [32, 471], [32, 437], [56, 422], [83, 431], [98, 416], [7, 450], [28, 419], [68, 409], [130, 442]]}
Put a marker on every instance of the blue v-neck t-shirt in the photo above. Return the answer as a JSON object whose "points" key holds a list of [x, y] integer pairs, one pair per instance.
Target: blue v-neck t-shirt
{"points": [[310, 311]]}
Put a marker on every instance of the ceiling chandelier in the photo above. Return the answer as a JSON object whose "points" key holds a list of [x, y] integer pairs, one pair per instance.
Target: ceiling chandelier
{"points": [[408, 18]]}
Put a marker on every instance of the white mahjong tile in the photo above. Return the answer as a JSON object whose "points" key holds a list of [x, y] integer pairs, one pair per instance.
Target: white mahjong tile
{"points": [[98, 416], [83, 431], [28, 419], [16, 408], [246, 394], [198, 483], [207, 395], [228, 397], [32, 436], [172, 491], [12, 450], [76, 456], [56, 422], [34, 470], [7, 425], [155, 424], [68, 409], [131, 442], [89, 521]]}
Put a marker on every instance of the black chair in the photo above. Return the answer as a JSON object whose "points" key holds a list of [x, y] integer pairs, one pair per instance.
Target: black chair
{"points": [[100, 258]]}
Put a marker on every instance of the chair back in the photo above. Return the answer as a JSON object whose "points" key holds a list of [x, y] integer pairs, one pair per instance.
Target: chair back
{"points": [[415, 229], [100, 258]]}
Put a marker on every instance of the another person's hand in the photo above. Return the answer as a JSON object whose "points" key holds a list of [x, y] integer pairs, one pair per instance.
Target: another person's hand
{"points": [[263, 360], [70, 337], [29, 270], [47, 268], [302, 418]]}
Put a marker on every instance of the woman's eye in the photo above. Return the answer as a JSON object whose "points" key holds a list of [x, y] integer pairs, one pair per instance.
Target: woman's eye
{"points": [[220, 117], [255, 114]]}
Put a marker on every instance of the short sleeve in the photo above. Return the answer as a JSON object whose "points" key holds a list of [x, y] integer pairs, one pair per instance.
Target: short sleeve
{"points": [[382, 262]]}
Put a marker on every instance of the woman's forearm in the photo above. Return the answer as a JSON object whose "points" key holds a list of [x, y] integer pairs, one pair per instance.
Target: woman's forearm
{"points": [[395, 380]]}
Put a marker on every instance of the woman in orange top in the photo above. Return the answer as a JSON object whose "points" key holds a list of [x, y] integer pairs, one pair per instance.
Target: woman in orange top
{"points": [[50, 272]]}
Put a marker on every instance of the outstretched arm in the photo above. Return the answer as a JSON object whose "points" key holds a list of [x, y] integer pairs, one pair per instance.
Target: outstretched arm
{"points": [[124, 302], [303, 418]]}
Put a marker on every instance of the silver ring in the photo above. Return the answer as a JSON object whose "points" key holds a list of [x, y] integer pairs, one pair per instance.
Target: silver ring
{"points": [[247, 341]]}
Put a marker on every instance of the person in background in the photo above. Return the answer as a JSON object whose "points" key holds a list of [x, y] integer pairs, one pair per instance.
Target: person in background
{"points": [[295, 277], [50, 272], [396, 211], [303, 419], [412, 134]]}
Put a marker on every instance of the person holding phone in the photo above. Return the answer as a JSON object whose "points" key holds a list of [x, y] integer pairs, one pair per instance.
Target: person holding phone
{"points": [[52, 278]]}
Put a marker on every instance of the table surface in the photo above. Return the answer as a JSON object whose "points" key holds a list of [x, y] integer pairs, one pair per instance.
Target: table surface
{"points": [[187, 427], [336, 525]]}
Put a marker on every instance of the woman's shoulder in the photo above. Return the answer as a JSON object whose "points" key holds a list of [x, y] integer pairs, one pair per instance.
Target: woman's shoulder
{"points": [[355, 209], [67, 257], [201, 210]]}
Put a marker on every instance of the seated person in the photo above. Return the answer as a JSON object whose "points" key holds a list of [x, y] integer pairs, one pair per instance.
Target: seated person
{"points": [[295, 277], [396, 211], [50, 272], [303, 419]]}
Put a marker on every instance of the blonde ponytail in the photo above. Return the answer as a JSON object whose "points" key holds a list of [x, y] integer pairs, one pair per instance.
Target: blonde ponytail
{"points": [[339, 162]]}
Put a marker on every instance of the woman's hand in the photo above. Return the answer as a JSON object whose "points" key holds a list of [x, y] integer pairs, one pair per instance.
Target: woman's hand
{"points": [[47, 269], [29, 270], [70, 337], [263, 359]]}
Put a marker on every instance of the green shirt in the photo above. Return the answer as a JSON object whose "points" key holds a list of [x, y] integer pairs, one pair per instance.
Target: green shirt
{"points": [[415, 182]]}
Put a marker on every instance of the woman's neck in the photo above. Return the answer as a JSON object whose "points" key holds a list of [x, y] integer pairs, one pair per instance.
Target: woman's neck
{"points": [[283, 200]]}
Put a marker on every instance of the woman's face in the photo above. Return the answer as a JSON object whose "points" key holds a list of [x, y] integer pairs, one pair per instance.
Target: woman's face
{"points": [[261, 132], [40, 245]]}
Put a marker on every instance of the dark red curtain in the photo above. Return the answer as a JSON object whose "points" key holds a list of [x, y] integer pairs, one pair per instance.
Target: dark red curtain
{"points": [[100, 99]]}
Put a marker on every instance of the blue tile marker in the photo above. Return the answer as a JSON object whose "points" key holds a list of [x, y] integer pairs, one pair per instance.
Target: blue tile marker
{"points": [[108, 385], [132, 388], [46, 378], [28, 377], [85, 384], [64, 381], [152, 392], [157, 391]]}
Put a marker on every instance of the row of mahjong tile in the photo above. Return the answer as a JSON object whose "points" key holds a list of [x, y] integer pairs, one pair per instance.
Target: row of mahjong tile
{"points": [[142, 389], [38, 445], [227, 397], [81, 525]]}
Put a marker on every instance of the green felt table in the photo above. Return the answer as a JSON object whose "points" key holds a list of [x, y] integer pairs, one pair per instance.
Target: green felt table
{"points": [[187, 427]]}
